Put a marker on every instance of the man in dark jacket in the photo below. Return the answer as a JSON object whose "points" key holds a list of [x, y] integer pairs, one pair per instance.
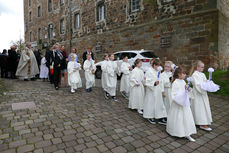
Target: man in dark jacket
{"points": [[3, 64], [12, 61], [38, 58], [88, 51], [58, 57], [49, 59]]}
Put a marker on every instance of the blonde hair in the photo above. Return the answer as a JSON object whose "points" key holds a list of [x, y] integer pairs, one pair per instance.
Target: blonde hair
{"points": [[169, 62], [194, 66], [56, 45]]}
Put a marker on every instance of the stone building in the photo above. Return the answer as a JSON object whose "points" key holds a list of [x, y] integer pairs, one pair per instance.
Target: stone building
{"points": [[177, 30]]}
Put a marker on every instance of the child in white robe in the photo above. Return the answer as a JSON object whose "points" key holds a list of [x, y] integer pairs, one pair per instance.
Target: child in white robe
{"points": [[154, 107], [74, 79], [104, 78], [180, 122], [89, 68], [112, 71], [137, 92], [44, 72], [166, 77], [200, 103], [126, 68]]}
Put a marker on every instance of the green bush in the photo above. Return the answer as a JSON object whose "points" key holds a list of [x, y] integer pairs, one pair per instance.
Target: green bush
{"points": [[2, 87], [222, 79]]}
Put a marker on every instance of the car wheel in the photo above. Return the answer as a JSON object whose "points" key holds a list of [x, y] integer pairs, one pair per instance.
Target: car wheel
{"points": [[98, 73]]}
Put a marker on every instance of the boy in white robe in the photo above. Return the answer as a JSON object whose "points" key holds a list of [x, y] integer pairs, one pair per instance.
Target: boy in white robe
{"points": [[166, 77], [44, 73], [200, 103], [137, 92], [126, 68], [89, 68], [154, 107], [104, 78], [180, 122], [74, 79], [112, 71]]}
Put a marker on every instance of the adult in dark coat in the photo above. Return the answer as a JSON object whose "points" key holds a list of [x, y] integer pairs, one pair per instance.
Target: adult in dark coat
{"points": [[3, 64], [88, 51], [50, 60], [38, 58], [58, 57], [12, 61]]}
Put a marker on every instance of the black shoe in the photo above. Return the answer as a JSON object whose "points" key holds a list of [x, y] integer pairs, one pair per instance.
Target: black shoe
{"points": [[26, 79], [152, 121], [162, 121], [87, 90], [114, 98], [33, 79], [106, 95], [57, 88], [90, 89]]}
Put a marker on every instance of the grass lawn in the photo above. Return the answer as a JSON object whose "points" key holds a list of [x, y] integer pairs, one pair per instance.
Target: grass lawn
{"points": [[2, 87], [222, 79]]}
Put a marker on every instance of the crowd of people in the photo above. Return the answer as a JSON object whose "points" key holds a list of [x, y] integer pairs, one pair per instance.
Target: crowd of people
{"points": [[160, 96]]}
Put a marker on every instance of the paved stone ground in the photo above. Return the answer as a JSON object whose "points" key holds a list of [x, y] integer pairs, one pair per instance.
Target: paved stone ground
{"points": [[81, 122]]}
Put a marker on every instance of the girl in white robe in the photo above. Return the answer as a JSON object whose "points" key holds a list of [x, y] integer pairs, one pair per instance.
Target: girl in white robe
{"points": [[126, 68], [136, 98], [166, 77], [89, 68], [200, 103], [104, 78], [112, 71], [44, 72], [180, 122], [74, 79], [154, 107]]}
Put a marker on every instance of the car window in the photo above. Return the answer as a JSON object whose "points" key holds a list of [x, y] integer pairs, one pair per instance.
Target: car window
{"points": [[148, 54], [117, 55], [132, 55]]}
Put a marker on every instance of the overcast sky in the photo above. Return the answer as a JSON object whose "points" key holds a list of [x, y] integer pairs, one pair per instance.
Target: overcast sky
{"points": [[11, 22]]}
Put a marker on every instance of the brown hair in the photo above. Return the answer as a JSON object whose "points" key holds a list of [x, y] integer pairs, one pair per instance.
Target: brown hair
{"points": [[156, 62], [105, 55], [194, 66], [179, 70], [125, 57], [137, 61], [110, 54]]}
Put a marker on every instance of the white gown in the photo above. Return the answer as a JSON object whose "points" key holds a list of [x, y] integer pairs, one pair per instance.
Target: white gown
{"points": [[180, 122], [112, 77], [90, 77], [153, 103], [136, 97], [104, 78], [74, 79], [125, 80], [200, 103], [167, 89], [44, 72]]}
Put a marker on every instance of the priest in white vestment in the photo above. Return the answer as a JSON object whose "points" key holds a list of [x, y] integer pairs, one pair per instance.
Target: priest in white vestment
{"points": [[27, 67]]}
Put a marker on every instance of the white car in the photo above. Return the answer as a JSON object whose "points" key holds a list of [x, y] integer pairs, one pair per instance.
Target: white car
{"points": [[144, 55]]}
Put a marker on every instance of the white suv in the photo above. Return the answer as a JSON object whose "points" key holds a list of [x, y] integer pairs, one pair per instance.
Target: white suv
{"points": [[144, 55]]}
